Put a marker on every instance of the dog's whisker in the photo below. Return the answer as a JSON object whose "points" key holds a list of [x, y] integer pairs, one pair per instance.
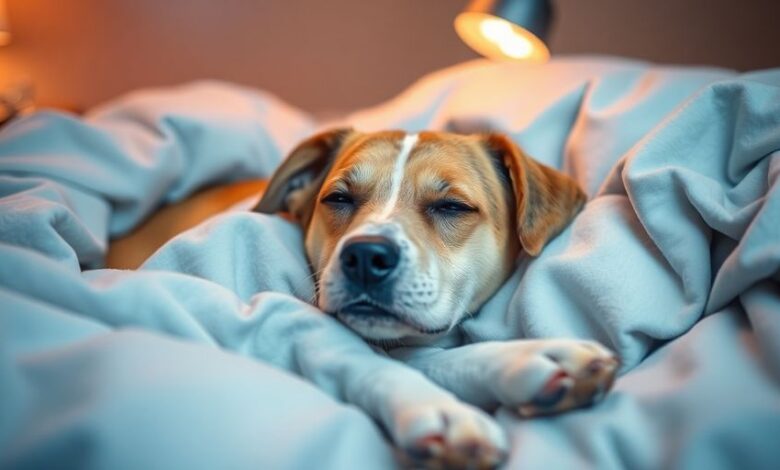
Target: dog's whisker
{"points": [[311, 299]]}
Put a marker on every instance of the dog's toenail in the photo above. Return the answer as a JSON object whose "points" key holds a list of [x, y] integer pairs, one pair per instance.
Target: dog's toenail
{"points": [[549, 400], [472, 449], [553, 383], [554, 390], [595, 366], [416, 453], [555, 357], [434, 441], [428, 447]]}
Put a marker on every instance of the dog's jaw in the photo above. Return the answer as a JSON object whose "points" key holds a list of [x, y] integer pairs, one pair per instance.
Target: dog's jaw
{"points": [[415, 306]]}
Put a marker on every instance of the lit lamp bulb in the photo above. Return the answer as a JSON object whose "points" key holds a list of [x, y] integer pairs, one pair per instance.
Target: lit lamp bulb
{"points": [[506, 30]]}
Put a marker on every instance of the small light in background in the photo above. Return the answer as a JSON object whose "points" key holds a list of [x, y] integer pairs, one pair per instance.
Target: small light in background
{"points": [[507, 30], [5, 31], [17, 93]]}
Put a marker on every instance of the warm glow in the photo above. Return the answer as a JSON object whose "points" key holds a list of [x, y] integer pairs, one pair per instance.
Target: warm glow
{"points": [[5, 35], [499, 39], [500, 32]]}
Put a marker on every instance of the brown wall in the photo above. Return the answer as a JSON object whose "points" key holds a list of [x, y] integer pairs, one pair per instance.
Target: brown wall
{"points": [[340, 54]]}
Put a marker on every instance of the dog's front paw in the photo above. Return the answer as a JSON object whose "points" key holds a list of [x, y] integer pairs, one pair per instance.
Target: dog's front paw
{"points": [[576, 373], [450, 435]]}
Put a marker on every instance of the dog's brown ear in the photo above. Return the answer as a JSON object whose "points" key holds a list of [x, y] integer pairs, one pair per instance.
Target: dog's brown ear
{"points": [[297, 181], [546, 199]]}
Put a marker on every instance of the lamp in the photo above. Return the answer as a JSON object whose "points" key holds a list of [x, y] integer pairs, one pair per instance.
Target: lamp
{"points": [[5, 33], [507, 29]]}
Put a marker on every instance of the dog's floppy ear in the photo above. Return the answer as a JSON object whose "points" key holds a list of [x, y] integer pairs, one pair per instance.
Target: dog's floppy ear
{"points": [[297, 181], [546, 199]]}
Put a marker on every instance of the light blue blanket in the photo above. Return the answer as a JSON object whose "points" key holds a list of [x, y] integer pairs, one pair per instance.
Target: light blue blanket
{"points": [[673, 263]]}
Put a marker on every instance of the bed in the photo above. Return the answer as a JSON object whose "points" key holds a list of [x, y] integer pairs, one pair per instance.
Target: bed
{"points": [[674, 263]]}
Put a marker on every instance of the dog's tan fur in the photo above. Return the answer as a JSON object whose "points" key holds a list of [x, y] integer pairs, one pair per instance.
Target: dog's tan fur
{"points": [[131, 250]]}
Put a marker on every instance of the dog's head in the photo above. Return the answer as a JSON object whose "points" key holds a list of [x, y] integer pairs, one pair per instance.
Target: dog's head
{"points": [[409, 233]]}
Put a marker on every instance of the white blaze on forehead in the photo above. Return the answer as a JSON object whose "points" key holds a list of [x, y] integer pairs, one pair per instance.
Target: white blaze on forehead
{"points": [[398, 175]]}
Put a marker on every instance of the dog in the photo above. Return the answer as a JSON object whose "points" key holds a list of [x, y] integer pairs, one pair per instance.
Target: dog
{"points": [[409, 234]]}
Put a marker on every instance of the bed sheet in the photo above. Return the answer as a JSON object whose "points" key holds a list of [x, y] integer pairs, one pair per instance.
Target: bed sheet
{"points": [[673, 263]]}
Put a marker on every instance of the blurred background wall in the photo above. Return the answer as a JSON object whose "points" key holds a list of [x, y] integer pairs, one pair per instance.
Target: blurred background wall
{"points": [[329, 55]]}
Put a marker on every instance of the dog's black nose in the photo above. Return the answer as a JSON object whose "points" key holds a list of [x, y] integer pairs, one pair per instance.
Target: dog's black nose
{"points": [[368, 260]]}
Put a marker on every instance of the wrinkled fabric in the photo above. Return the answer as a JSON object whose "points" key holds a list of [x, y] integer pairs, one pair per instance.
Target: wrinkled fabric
{"points": [[673, 263]]}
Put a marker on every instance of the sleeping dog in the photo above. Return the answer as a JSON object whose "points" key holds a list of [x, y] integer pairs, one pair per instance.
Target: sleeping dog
{"points": [[408, 235]]}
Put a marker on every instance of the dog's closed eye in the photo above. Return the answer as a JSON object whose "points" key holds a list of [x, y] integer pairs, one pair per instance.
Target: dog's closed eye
{"points": [[338, 198], [451, 208]]}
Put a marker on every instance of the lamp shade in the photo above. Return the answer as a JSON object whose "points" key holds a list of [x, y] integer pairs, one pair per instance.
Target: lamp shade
{"points": [[5, 33], [507, 29]]}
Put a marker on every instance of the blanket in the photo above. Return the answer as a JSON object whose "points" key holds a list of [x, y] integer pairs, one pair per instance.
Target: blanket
{"points": [[673, 263]]}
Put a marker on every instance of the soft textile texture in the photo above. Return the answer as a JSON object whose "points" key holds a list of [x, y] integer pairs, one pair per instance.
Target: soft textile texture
{"points": [[673, 263]]}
